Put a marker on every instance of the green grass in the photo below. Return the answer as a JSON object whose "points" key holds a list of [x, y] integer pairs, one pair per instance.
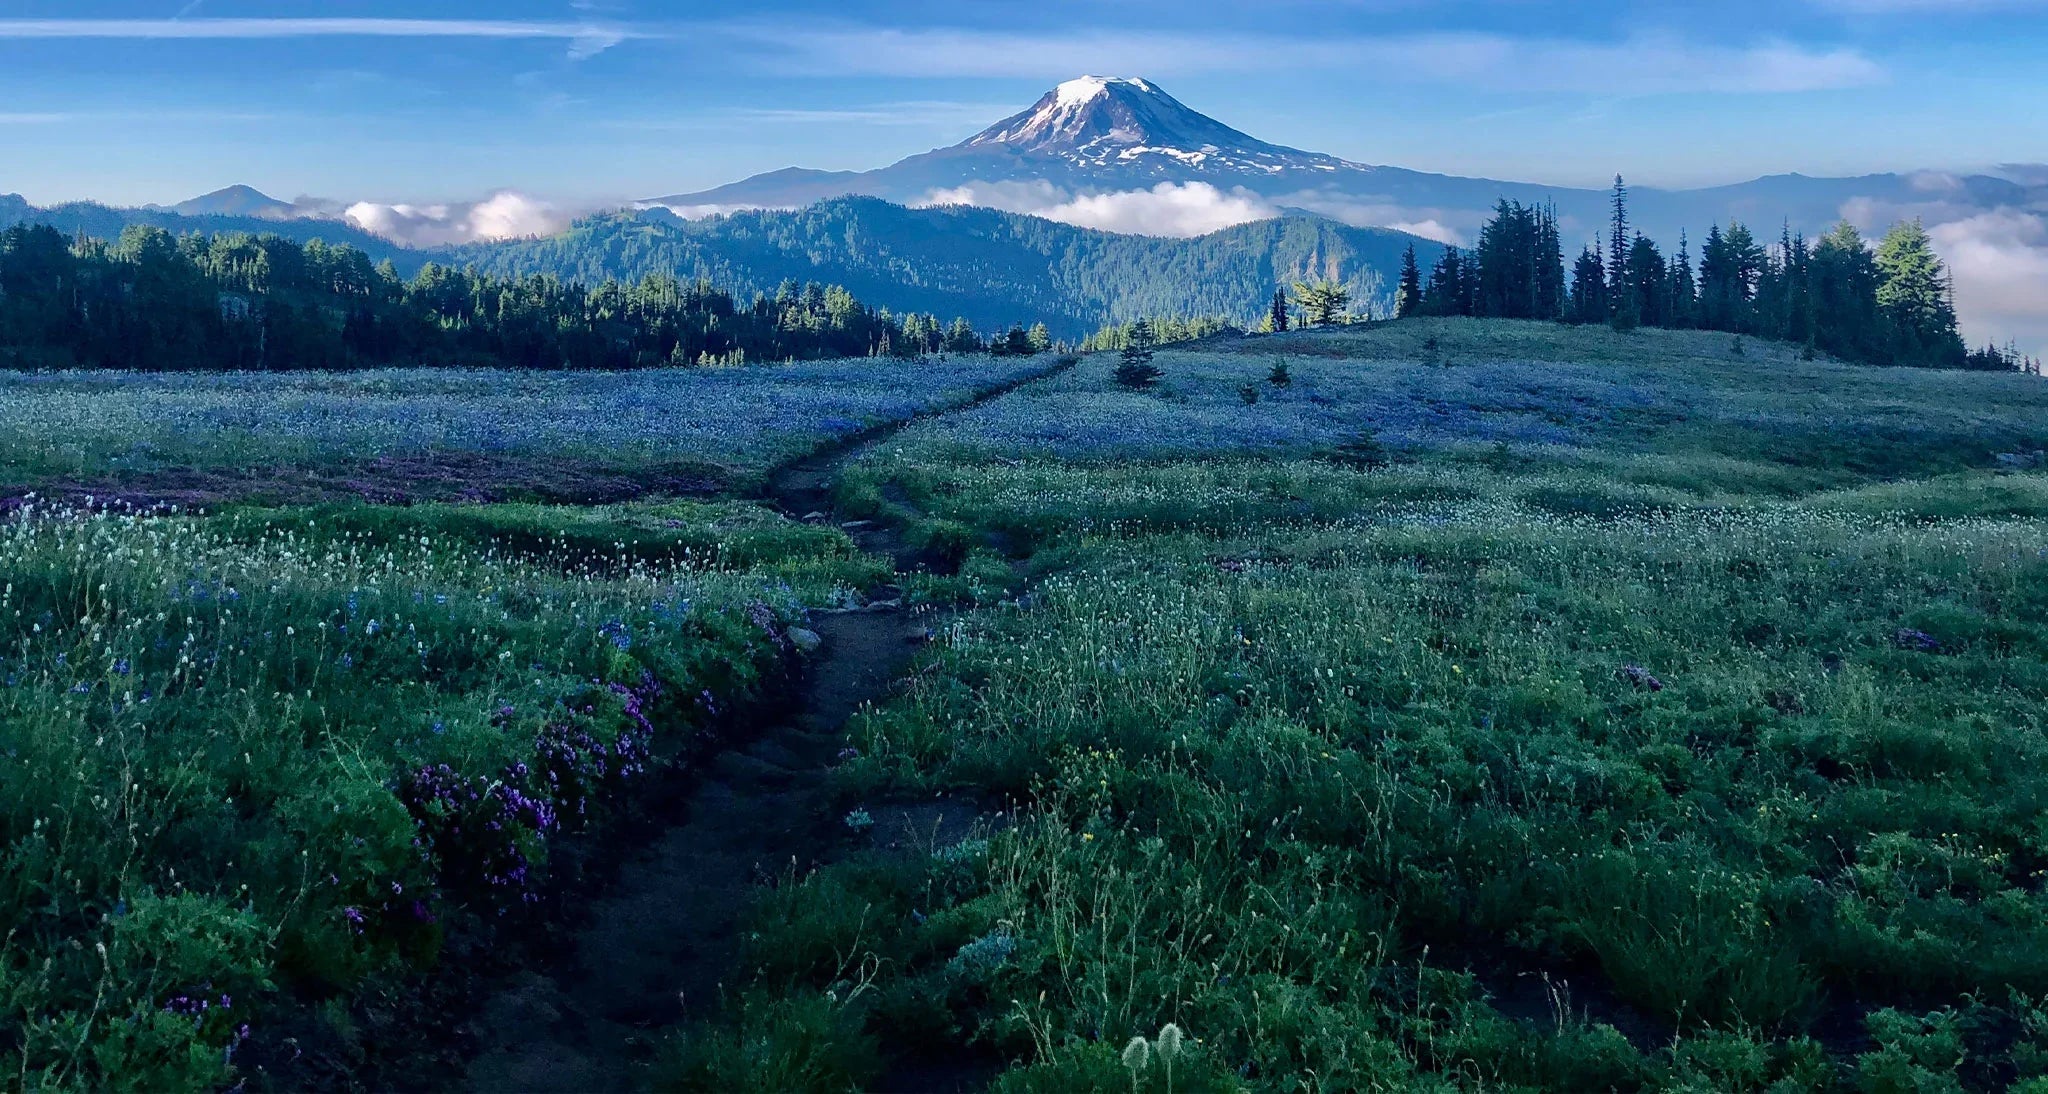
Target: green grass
{"points": [[1677, 756], [1656, 716], [279, 755]]}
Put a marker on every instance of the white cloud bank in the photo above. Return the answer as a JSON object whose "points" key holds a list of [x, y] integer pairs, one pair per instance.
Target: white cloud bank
{"points": [[1998, 253], [1169, 209], [2000, 259], [1184, 209], [503, 215]]}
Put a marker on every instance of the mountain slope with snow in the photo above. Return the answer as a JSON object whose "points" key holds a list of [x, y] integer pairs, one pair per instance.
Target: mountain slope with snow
{"points": [[1106, 152]]}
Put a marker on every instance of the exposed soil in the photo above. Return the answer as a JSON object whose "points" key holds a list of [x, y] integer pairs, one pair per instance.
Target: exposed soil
{"points": [[663, 938]]}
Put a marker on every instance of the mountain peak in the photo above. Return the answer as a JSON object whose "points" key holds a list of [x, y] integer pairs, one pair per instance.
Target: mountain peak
{"points": [[238, 200], [1089, 88], [1124, 121]]}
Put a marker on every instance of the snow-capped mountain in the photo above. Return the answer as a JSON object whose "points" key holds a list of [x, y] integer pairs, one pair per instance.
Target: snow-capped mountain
{"points": [[1123, 124], [1089, 135], [1121, 153]]}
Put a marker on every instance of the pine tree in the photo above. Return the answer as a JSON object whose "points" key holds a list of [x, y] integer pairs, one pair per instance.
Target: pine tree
{"points": [[1322, 302], [1551, 295], [1684, 307], [1843, 286], [1617, 250], [1408, 297], [1277, 316], [1645, 287], [1914, 299], [1589, 289], [1135, 369]]}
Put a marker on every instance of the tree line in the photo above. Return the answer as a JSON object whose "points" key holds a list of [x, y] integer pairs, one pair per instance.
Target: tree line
{"points": [[1892, 304], [1161, 330], [151, 300]]}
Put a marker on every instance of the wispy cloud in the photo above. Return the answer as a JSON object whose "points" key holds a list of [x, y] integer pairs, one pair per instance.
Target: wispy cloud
{"points": [[130, 117], [585, 38], [1640, 65], [916, 114], [1944, 7]]}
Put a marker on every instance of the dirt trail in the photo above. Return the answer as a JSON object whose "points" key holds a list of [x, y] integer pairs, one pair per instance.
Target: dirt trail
{"points": [[661, 940], [663, 936]]}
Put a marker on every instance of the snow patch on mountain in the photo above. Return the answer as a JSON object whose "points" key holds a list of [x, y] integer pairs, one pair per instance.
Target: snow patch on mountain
{"points": [[1126, 122]]}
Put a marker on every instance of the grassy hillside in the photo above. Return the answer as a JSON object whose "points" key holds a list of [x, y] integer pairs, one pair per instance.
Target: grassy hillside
{"points": [[1633, 714], [1436, 705], [1731, 408]]}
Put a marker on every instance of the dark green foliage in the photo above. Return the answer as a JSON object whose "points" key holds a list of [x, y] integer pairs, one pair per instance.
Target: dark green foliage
{"points": [[265, 303], [1322, 302], [1914, 300], [1279, 376], [1618, 244], [1365, 450], [1407, 295], [986, 265], [1519, 266], [1893, 307], [1135, 369], [1589, 289], [1166, 330]]}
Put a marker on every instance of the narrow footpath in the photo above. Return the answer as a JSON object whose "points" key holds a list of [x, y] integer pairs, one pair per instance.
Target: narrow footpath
{"points": [[662, 938]]}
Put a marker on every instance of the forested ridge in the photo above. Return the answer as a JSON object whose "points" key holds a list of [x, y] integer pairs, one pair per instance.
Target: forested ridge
{"points": [[238, 301], [643, 289], [1892, 304], [992, 267]]}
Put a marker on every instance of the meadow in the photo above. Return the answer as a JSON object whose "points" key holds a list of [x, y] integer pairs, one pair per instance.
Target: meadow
{"points": [[1680, 728], [1438, 705], [449, 434], [286, 753]]}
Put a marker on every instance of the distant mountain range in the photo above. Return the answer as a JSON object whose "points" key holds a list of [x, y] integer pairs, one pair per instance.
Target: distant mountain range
{"points": [[210, 214], [992, 267], [1101, 135], [1194, 217]]}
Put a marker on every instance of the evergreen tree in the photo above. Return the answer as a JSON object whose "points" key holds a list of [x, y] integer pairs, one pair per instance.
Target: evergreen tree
{"points": [[1512, 264], [1649, 283], [961, 337], [1322, 302], [1445, 292], [1039, 339], [1843, 285], [1913, 298], [1618, 241], [1408, 296], [1589, 289], [1551, 293], [1135, 369], [1683, 309], [1276, 316]]}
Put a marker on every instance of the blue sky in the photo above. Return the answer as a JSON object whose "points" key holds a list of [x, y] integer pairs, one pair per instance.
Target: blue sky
{"points": [[605, 100]]}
